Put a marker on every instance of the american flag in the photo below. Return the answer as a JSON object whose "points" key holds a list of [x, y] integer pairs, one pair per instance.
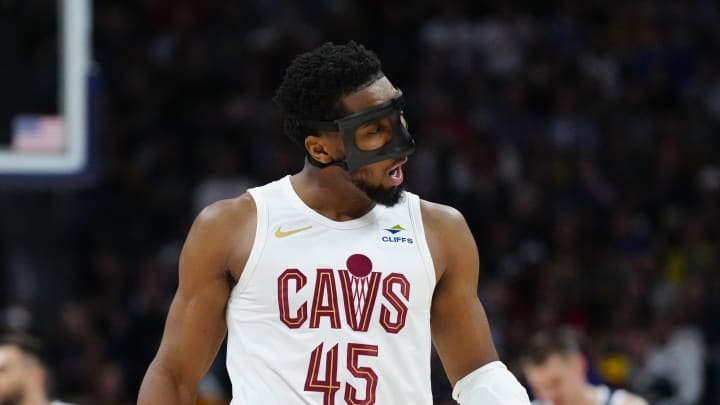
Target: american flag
{"points": [[38, 133]]}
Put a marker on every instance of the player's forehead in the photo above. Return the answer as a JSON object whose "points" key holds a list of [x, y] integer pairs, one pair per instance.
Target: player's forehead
{"points": [[553, 364], [376, 93], [9, 355]]}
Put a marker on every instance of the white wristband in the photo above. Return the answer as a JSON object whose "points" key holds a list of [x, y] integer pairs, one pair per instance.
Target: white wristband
{"points": [[491, 384]]}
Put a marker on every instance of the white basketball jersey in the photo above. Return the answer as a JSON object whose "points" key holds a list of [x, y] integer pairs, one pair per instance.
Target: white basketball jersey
{"points": [[329, 312], [605, 396]]}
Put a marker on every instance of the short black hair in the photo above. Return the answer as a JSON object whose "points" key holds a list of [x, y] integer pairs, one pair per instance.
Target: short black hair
{"points": [[28, 344], [316, 81], [545, 343]]}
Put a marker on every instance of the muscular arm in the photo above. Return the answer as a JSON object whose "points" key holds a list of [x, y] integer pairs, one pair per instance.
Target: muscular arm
{"points": [[195, 325], [460, 329]]}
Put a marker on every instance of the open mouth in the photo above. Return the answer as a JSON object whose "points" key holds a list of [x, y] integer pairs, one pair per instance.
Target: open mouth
{"points": [[396, 173]]}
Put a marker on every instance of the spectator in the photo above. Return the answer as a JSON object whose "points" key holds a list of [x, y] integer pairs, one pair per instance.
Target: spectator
{"points": [[557, 372], [23, 375]]}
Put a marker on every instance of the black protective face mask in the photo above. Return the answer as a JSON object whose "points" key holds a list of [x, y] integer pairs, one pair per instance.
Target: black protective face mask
{"points": [[400, 145]]}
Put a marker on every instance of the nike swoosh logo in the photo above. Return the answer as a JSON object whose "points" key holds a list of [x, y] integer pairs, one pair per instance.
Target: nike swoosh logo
{"points": [[281, 234]]}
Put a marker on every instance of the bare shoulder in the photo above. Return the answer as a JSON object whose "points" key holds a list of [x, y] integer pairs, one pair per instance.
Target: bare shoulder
{"points": [[632, 399], [448, 236], [228, 213], [443, 224], [225, 230], [439, 217]]}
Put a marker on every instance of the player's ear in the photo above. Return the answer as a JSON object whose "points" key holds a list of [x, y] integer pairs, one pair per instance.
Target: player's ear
{"points": [[320, 147], [39, 374], [580, 363]]}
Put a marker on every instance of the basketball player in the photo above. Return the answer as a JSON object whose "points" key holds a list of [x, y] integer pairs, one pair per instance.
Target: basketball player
{"points": [[332, 282], [22, 374], [556, 371]]}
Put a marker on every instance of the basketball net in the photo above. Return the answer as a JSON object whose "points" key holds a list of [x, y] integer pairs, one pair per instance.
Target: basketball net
{"points": [[359, 287]]}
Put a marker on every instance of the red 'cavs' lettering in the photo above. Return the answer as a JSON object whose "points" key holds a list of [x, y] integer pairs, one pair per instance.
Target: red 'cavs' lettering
{"points": [[358, 313], [300, 279], [402, 309], [325, 288], [359, 285]]}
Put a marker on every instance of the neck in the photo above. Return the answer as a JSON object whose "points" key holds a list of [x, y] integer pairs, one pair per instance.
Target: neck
{"points": [[331, 193], [585, 396]]}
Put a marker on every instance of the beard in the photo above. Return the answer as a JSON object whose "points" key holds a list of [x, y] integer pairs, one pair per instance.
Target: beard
{"points": [[381, 195]]}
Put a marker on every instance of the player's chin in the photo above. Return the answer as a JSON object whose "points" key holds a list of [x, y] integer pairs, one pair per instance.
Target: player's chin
{"points": [[383, 195]]}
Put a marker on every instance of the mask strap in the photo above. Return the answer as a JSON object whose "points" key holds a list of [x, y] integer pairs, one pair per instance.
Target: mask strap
{"points": [[329, 126], [321, 165]]}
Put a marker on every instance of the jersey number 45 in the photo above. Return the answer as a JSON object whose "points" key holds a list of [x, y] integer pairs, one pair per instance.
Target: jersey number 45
{"points": [[329, 384]]}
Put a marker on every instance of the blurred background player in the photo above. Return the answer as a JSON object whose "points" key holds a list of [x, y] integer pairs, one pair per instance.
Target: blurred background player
{"points": [[556, 370], [23, 376]]}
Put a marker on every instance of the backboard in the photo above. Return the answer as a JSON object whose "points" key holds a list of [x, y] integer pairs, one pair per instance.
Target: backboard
{"points": [[48, 94]]}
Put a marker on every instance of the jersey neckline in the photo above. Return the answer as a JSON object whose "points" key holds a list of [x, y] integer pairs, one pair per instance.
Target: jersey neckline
{"points": [[367, 219]]}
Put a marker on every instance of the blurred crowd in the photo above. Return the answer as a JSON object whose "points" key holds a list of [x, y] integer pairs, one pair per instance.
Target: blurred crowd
{"points": [[579, 139]]}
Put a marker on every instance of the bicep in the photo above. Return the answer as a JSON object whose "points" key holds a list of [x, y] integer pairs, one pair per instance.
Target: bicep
{"points": [[460, 329], [195, 325], [194, 330]]}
